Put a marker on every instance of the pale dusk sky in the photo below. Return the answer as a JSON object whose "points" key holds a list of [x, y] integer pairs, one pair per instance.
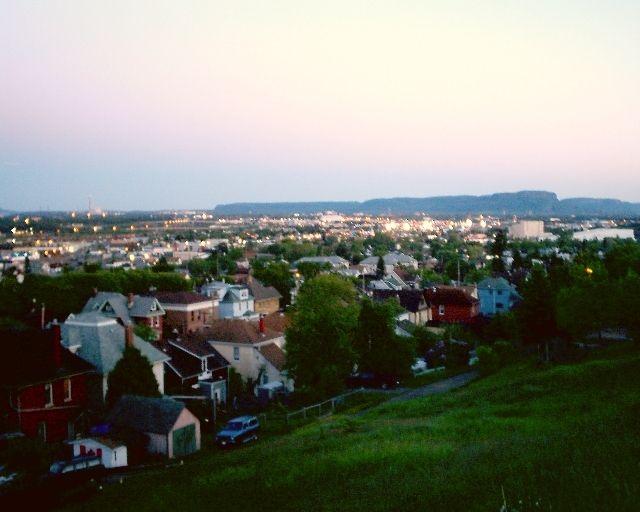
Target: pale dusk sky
{"points": [[187, 104]]}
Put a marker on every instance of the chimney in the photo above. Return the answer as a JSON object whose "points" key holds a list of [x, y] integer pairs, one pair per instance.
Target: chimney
{"points": [[128, 336], [130, 302], [56, 345], [261, 324], [95, 292]]}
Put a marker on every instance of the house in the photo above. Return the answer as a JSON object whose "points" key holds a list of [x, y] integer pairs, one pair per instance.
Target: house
{"points": [[196, 364], [172, 430], [256, 352], [43, 386], [452, 304], [419, 311], [187, 312], [130, 310], [266, 299], [336, 262], [101, 340], [393, 259], [112, 453], [390, 281], [496, 296], [237, 303]]}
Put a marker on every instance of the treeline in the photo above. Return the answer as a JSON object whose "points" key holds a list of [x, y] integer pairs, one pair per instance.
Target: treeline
{"points": [[21, 303]]}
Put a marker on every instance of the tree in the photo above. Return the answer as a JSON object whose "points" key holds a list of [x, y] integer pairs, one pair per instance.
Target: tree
{"points": [[319, 351], [275, 274], [162, 265], [132, 375], [145, 332], [496, 249], [310, 269], [379, 348], [380, 270], [536, 319]]}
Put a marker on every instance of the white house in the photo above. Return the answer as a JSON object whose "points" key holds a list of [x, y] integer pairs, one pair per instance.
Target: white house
{"points": [[113, 453]]}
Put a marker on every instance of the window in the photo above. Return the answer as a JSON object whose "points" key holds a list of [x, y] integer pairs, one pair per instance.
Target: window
{"points": [[441, 309], [265, 379], [48, 395], [193, 316], [67, 390], [236, 353]]}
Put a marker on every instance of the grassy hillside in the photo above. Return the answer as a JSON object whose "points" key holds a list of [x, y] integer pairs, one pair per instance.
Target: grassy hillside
{"points": [[559, 438]]}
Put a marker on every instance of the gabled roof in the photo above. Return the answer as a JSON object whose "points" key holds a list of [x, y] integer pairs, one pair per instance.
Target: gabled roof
{"points": [[116, 305], [442, 294], [197, 345], [145, 414], [234, 292], [496, 283], [262, 292], [411, 300], [276, 321], [275, 355], [238, 331], [181, 298], [27, 359], [101, 341]]}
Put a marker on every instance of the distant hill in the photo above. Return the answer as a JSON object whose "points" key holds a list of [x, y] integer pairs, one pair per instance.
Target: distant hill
{"points": [[528, 202]]}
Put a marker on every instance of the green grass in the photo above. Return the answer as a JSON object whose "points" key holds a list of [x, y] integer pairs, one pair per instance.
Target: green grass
{"points": [[555, 438]]}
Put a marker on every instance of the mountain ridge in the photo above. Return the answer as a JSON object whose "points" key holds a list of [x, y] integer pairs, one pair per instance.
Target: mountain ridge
{"points": [[525, 202]]}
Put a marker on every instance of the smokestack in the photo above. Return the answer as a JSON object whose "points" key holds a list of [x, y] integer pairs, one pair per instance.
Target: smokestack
{"points": [[130, 303], [261, 324], [56, 345], [128, 336]]}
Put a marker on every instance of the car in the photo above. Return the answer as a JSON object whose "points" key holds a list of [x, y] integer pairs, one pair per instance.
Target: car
{"points": [[238, 431], [372, 380]]}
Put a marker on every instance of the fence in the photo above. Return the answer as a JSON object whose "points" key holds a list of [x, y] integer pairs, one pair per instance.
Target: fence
{"points": [[319, 410]]}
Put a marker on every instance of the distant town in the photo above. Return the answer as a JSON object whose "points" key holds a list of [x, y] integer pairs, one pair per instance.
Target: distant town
{"points": [[131, 338]]}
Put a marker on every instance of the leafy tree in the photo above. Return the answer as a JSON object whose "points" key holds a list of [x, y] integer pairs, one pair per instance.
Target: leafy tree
{"points": [[310, 269], [319, 351], [132, 375], [379, 348], [496, 249], [536, 319], [162, 265], [275, 274], [145, 332], [380, 270]]}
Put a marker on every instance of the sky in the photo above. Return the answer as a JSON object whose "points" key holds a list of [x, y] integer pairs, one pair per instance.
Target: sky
{"points": [[188, 104]]}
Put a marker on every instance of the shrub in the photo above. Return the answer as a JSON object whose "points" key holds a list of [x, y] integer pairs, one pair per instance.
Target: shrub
{"points": [[504, 351], [488, 360]]}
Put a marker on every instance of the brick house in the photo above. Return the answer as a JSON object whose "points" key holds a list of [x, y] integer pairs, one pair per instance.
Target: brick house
{"points": [[187, 312], [43, 387], [266, 299], [452, 304]]}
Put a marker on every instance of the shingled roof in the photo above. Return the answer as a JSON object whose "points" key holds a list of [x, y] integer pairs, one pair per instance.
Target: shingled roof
{"points": [[146, 414], [27, 359], [275, 355], [449, 295], [238, 331], [411, 300], [260, 291], [181, 298]]}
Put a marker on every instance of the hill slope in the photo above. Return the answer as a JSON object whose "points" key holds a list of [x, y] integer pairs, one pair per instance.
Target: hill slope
{"points": [[566, 438]]}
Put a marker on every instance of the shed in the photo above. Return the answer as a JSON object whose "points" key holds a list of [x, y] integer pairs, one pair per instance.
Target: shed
{"points": [[172, 429], [113, 453]]}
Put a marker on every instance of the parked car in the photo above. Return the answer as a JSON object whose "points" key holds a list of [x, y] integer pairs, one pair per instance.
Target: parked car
{"points": [[372, 380], [238, 430]]}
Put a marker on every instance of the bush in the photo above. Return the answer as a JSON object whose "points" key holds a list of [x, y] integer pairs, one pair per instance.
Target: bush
{"points": [[504, 351], [457, 354], [488, 360]]}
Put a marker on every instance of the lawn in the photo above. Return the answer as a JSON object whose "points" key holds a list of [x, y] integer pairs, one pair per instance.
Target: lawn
{"points": [[552, 438]]}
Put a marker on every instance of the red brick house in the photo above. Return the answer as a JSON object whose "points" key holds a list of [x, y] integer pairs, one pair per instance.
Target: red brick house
{"points": [[187, 312], [43, 386], [452, 304]]}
